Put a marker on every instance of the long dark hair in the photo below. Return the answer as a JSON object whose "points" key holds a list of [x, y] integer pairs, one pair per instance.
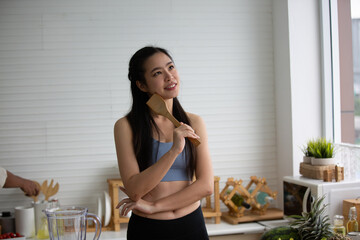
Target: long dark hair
{"points": [[139, 117]]}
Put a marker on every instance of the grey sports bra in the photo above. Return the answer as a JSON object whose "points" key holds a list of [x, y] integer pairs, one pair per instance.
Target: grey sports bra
{"points": [[178, 171]]}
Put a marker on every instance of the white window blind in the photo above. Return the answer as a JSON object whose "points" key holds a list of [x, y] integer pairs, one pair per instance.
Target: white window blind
{"points": [[63, 84]]}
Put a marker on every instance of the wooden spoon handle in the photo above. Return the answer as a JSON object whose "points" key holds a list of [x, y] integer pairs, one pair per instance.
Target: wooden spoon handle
{"points": [[35, 198], [194, 141], [172, 119]]}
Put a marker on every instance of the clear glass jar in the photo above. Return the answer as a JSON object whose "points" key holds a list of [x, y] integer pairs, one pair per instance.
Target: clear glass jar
{"points": [[339, 225]]}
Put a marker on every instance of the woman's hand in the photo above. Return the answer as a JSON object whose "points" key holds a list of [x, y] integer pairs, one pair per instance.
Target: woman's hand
{"points": [[179, 135], [140, 205]]}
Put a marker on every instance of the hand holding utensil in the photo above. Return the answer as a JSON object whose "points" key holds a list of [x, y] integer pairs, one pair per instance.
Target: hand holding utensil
{"points": [[35, 197], [158, 105]]}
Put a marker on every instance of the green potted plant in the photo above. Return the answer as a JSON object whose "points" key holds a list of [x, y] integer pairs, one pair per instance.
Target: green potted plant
{"points": [[322, 152], [307, 151]]}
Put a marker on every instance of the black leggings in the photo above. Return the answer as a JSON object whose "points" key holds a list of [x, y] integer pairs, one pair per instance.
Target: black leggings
{"points": [[191, 226]]}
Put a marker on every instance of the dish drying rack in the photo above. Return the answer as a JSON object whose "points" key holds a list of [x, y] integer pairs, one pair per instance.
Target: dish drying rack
{"points": [[116, 219]]}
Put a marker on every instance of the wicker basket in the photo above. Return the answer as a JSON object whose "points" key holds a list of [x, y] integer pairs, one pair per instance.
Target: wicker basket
{"points": [[315, 172]]}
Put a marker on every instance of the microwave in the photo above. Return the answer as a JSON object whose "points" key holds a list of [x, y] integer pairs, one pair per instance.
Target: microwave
{"points": [[299, 192]]}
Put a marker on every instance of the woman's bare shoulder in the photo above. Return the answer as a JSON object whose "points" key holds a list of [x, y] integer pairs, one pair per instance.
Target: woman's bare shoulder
{"points": [[122, 125], [195, 120], [121, 121]]}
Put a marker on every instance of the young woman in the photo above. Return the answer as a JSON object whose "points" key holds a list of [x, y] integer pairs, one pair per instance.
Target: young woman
{"points": [[157, 161]]}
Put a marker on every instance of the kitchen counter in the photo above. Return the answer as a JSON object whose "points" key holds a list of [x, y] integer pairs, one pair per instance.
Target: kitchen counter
{"points": [[221, 229], [213, 230], [224, 228]]}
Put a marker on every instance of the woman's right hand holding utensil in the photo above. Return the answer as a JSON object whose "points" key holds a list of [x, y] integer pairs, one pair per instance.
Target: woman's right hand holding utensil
{"points": [[179, 135]]}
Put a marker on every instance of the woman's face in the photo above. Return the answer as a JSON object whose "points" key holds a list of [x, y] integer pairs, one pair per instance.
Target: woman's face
{"points": [[161, 76]]}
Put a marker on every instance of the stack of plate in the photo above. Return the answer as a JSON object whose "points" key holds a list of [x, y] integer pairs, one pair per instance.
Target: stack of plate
{"points": [[104, 208]]}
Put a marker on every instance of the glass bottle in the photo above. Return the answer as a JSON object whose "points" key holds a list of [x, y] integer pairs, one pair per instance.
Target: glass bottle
{"points": [[239, 201], [43, 232], [339, 225], [352, 224], [262, 197]]}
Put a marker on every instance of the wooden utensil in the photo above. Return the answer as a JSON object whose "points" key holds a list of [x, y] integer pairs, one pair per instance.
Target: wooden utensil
{"points": [[49, 191], [35, 197], [158, 105]]}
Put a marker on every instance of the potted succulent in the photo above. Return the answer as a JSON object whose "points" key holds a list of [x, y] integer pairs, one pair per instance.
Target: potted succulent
{"points": [[322, 152], [307, 151]]}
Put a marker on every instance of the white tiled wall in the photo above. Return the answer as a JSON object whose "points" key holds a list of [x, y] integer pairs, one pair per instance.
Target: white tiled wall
{"points": [[63, 84]]}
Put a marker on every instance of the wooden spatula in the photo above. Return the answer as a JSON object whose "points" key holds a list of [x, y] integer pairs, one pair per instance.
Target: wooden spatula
{"points": [[158, 105], [49, 191]]}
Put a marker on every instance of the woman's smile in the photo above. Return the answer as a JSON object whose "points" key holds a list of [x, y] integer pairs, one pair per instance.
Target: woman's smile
{"points": [[171, 86]]}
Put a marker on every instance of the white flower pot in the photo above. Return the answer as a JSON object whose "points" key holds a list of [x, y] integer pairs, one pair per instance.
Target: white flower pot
{"points": [[307, 159], [322, 161]]}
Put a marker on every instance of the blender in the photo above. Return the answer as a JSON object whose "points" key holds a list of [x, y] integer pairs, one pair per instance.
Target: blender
{"points": [[69, 223]]}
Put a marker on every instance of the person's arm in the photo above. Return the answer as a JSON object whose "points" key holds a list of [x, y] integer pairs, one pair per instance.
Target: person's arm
{"points": [[202, 187], [204, 183], [137, 183], [3, 176], [27, 186]]}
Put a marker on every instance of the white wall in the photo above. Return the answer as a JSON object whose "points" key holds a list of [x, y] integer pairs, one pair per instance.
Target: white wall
{"points": [[297, 54], [297, 78], [63, 67], [305, 68], [283, 89]]}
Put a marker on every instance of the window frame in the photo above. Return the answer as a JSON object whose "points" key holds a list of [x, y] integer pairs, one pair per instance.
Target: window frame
{"points": [[331, 110]]}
